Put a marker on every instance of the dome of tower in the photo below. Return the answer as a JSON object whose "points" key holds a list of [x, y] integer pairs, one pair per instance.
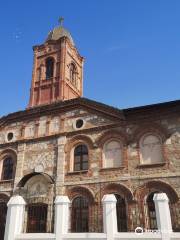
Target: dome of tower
{"points": [[59, 32]]}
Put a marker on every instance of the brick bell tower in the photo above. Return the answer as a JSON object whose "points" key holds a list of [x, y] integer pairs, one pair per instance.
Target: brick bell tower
{"points": [[57, 69]]}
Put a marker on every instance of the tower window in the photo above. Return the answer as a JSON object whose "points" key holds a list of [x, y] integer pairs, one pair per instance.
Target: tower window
{"points": [[49, 68], [7, 170], [80, 158], [73, 74]]}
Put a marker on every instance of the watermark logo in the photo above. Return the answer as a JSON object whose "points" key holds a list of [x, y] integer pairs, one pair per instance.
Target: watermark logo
{"points": [[140, 231]]}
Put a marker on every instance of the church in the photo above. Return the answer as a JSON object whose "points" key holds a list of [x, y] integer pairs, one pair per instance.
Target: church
{"points": [[65, 144]]}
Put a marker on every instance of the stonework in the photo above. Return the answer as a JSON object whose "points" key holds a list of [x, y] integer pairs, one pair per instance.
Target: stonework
{"points": [[131, 152]]}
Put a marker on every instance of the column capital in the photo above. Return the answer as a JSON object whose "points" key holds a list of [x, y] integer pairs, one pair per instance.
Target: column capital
{"points": [[16, 200], [62, 200], [160, 197], [109, 198]]}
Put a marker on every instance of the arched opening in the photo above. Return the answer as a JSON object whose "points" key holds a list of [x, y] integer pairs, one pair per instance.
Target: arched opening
{"points": [[7, 169], [72, 73], [80, 215], [37, 218], [49, 68], [151, 211], [121, 213], [81, 158]]}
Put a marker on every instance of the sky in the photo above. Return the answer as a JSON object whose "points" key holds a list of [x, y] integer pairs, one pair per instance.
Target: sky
{"points": [[131, 48]]}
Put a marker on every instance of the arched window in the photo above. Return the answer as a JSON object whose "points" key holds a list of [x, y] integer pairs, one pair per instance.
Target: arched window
{"points": [[151, 149], [72, 72], [112, 154], [80, 158], [49, 68], [7, 169], [121, 214], [37, 218], [80, 215], [3, 213], [151, 212]]}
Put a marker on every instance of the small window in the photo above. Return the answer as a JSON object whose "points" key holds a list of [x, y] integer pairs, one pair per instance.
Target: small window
{"points": [[7, 170], [79, 123], [72, 74], [80, 158], [80, 215], [49, 68], [10, 136]]}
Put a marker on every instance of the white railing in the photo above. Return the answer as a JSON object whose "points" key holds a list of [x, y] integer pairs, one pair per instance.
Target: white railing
{"points": [[16, 210]]}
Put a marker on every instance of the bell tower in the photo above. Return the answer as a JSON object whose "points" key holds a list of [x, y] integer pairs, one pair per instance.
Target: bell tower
{"points": [[57, 69]]}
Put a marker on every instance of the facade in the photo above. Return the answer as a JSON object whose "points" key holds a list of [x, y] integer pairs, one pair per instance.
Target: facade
{"points": [[64, 144]]}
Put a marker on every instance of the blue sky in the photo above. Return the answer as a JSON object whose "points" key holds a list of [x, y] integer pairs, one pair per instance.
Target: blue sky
{"points": [[131, 48]]}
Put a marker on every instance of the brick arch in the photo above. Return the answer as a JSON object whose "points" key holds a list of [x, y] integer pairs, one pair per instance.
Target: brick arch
{"points": [[70, 146], [143, 191], [27, 177], [74, 192], [120, 189], [8, 152], [111, 135], [77, 140], [154, 128]]}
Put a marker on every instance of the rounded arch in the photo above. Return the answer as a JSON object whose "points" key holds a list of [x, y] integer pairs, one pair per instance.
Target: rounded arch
{"points": [[8, 152], [156, 186], [74, 141], [115, 188], [27, 177], [72, 144], [74, 192], [108, 135], [154, 128]]}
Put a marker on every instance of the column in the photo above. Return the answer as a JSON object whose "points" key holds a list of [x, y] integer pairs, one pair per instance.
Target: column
{"points": [[61, 216], [15, 217], [109, 215], [163, 214]]}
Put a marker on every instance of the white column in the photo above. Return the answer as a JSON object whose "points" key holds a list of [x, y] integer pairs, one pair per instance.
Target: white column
{"points": [[15, 217], [163, 214], [61, 216], [109, 215]]}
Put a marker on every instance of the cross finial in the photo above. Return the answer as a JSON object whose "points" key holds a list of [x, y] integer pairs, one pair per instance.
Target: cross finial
{"points": [[61, 20]]}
